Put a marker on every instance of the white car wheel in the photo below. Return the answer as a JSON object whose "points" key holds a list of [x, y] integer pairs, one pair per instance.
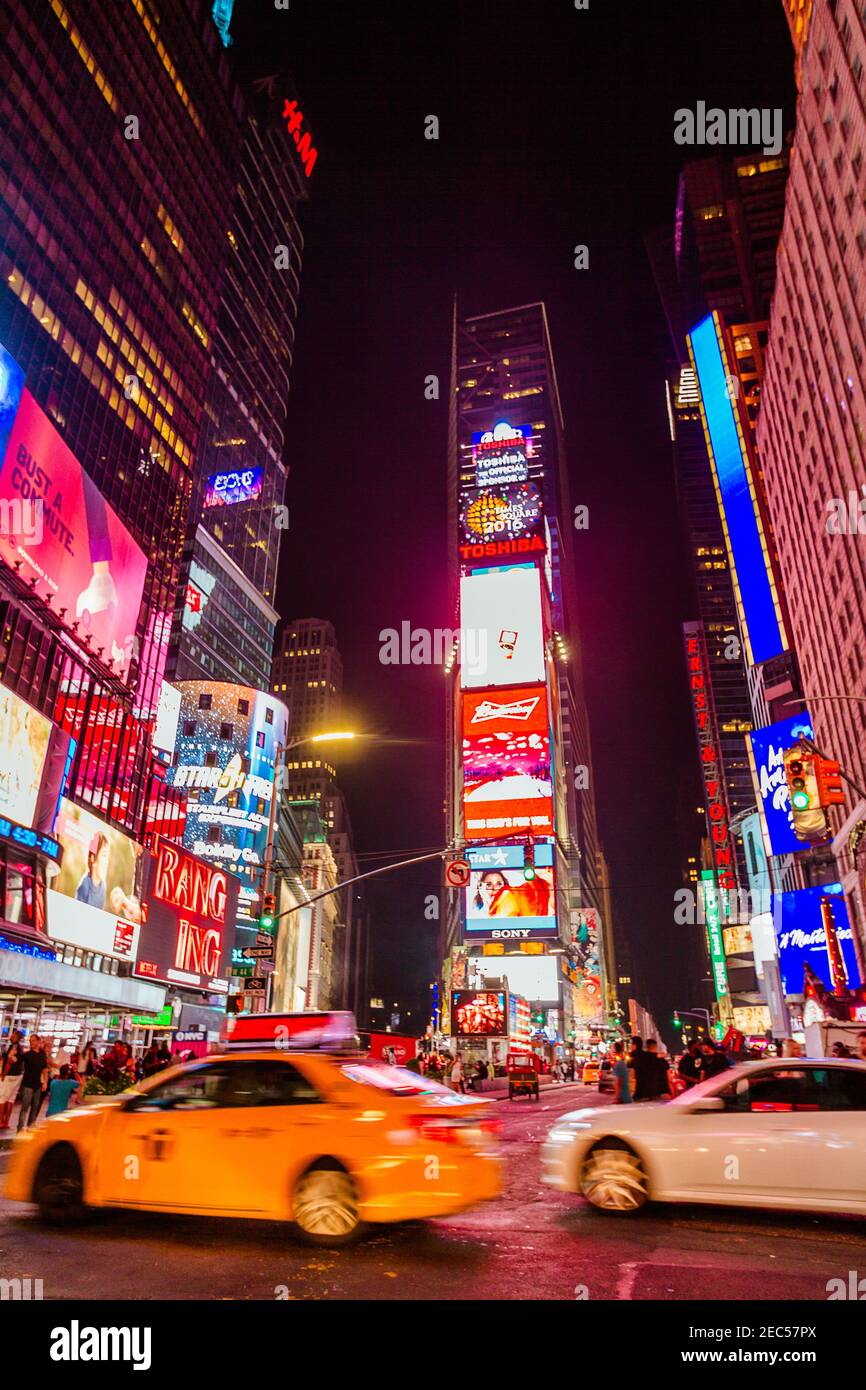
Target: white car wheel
{"points": [[613, 1180], [325, 1206]]}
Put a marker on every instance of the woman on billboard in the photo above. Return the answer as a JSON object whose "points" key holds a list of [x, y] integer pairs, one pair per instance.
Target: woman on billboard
{"points": [[496, 897]]}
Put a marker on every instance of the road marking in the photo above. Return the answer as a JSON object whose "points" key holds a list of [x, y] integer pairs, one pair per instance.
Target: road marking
{"points": [[625, 1283]]}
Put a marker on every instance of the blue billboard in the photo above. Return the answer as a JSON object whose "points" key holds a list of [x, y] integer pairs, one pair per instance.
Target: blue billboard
{"points": [[766, 754], [748, 553], [504, 906], [11, 389], [802, 938]]}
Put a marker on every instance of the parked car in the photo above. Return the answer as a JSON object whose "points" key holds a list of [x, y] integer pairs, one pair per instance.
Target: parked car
{"points": [[605, 1074]]}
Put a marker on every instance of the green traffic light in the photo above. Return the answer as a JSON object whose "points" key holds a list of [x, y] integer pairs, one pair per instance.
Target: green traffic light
{"points": [[800, 801], [528, 872]]}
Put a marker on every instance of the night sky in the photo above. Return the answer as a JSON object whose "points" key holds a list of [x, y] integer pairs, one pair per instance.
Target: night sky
{"points": [[556, 129]]}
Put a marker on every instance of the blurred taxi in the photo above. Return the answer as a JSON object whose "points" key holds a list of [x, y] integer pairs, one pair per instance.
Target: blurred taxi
{"points": [[317, 1135], [589, 1075]]}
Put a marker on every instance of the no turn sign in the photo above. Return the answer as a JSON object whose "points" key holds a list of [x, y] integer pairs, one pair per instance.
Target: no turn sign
{"points": [[457, 873]]}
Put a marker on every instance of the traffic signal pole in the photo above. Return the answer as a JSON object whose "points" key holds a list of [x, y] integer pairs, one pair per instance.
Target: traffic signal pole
{"points": [[812, 747]]}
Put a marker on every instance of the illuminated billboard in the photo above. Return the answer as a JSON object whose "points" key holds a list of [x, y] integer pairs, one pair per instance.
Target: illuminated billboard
{"points": [[94, 902], [507, 783], [191, 913], [802, 938], [235, 485], [11, 391], [766, 748], [534, 978], [760, 612], [225, 751], [79, 552], [501, 610], [477, 1013], [501, 455], [24, 739], [507, 512], [500, 903]]}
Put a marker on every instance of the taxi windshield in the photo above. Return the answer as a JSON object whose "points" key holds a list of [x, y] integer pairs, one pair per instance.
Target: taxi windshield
{"points": [[398, 1080]]}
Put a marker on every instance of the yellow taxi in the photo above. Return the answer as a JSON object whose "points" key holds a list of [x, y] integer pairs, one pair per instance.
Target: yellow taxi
{"points": [[589, 1075], [328, 1139]]}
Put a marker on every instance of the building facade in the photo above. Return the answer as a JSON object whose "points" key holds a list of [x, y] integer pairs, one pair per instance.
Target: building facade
{"points": [[120, 141]]}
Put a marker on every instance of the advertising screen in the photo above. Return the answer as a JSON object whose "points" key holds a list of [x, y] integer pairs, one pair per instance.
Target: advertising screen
{"points": [[501, 904], [236, 485], [751, 571], [506, 763], [502, 454], [80, 550], [802, 937], [507, 512], [766, 755], [479, 1013], [535, 978], [11, 390], [585, 970], [226, 749], [24, 739], [94, 902], [190, 929], [501, 610]]}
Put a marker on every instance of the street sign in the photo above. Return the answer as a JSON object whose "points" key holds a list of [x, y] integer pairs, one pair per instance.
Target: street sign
{"points": [[263, 939], [256, 984], [457, 873], [241, 972], [259, 952]]}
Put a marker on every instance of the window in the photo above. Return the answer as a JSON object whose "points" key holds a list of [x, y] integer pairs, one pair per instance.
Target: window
{"points": [[204, 701], [188, 728], [213, 835], [227, 731], [778, 1090], [210, 759], [265, 1083], [243, 706], [269, 716], [260, 739]]}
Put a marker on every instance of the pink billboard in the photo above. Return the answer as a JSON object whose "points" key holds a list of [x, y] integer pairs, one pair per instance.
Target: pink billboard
{"points": [[76, 547]]}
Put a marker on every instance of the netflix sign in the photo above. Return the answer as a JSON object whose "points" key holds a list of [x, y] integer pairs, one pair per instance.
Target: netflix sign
{"points": [[189, 931]]}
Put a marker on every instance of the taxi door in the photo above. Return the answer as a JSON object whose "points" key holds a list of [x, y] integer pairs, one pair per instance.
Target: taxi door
{"points": [[159, 1148], [272, 1122]]}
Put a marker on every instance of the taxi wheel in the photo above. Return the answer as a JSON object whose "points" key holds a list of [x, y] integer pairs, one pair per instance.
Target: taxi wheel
{"points": [[58, 1188], [613, 1179], [325, 1206]]}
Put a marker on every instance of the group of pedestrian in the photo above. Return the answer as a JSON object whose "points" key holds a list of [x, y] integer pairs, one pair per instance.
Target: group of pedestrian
{"points": [[642, 1074], [701, 1060], [31, 1073]]}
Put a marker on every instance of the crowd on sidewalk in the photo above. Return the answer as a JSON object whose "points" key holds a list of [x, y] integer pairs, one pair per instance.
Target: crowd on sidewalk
{"points": [[34, 1071]]}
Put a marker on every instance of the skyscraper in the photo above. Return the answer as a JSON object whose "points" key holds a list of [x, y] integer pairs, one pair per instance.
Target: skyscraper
{"points": [[520, 755], [119, 143], [812, 423], [225, 619]]}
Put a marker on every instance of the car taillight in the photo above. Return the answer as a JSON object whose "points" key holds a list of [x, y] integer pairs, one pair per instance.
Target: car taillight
{"points": [[471, 1131]]}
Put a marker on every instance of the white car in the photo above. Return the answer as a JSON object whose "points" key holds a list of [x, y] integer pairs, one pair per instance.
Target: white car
{"points": [[781, 1133]]}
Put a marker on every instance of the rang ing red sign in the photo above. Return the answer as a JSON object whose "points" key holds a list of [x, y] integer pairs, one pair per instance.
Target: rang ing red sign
{"points": [[191, 915]]}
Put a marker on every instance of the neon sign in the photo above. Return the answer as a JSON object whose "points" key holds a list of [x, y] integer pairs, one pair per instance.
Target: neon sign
{"points": [[190, 883], [306, 152]]}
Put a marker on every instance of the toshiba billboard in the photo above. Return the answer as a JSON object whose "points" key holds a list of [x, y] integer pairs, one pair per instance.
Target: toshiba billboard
{"points": [[190, 926]]}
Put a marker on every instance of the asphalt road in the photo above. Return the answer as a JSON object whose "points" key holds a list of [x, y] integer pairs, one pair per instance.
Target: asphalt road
{"points": [[531, 1243]]}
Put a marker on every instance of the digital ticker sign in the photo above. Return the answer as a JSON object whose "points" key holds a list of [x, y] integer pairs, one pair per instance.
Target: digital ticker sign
{"points": [[235, 485]]}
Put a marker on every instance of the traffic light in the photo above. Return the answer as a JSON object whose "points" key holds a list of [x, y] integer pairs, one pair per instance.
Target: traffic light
{"points": [[830, 790], [268, 913], [529, 862], [678, 1023], [810, 823]]}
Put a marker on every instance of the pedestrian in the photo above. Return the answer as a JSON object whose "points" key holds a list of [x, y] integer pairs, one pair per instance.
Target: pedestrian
{"points": [[11, 1067], [87, 1063], [164, 1056], [34, 1078], [645, 1071], [861, 1046], [621, 1075], [840, 1050], [689, 1068], [61, 1090], [457, 1080], [658, 1083], [713, 1060]]}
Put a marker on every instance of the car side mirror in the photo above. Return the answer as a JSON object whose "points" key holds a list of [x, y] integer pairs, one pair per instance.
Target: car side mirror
{"points": [[706, 1104]]}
